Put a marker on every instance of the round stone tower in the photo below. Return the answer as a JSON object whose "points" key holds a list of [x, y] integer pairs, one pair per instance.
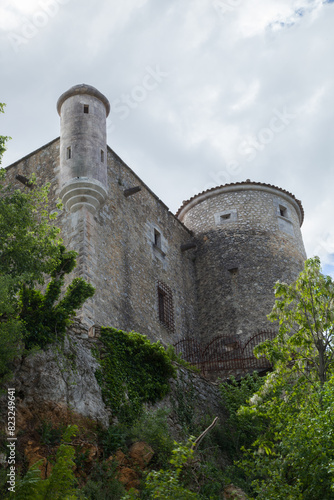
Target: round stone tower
{"points": [[248, 237], [83, 147]]}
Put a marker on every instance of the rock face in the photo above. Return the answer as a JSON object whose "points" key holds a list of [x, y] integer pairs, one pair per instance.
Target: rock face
{"points": [[141, 453], [129, 469], [64, 377]]}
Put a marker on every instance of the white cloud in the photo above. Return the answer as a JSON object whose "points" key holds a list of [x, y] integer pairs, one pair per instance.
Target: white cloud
{"points": [[228, 72]]}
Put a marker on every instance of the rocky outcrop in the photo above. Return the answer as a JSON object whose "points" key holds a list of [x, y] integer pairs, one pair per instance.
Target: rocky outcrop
{"points": [[129, 468], [64, 376]]}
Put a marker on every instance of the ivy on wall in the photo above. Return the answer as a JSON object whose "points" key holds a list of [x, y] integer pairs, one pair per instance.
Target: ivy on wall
{"points": [[133, 371]]}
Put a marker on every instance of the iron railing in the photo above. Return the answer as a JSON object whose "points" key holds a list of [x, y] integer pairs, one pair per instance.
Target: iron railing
{"points": [[225, 355]]}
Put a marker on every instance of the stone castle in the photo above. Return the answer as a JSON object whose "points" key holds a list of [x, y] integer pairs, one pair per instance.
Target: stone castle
{"points": [[207, 271]]}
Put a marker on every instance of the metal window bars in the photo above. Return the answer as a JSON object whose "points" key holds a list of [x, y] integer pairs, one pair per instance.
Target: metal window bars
{"points": [[165, 306]]}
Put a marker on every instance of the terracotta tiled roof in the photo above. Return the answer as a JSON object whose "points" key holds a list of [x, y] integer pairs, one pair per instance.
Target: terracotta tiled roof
{"points": [[248, 182]]}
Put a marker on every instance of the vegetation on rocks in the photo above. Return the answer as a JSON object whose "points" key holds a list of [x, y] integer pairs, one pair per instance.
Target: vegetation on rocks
{"points": [[133, 371]]}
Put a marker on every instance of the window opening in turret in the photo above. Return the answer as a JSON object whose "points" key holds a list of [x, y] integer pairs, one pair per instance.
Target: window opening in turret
{"points": [[102, 156], [283, 211], [86, 108], [165, 306], [69, 153], [225, 217], [233, 271]]}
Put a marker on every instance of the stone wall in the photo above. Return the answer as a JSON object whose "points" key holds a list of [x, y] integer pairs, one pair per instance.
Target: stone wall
{"points": [[192, 401], [65, 378], [129, 264], [117, 254]]}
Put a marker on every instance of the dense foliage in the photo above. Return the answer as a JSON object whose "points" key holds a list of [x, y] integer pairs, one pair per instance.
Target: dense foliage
{"points": [[238, 430], [294, 457], [133, 371], [60, 485], [166, 484]]}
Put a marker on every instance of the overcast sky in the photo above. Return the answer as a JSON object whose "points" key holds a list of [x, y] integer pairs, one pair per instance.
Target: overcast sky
{"points": [[203, 92]]}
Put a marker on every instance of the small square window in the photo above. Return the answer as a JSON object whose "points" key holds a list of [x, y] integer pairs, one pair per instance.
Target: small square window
{"points": [[102, 156], [69, 153], [226, 217], [86, 108], [283, 211]]}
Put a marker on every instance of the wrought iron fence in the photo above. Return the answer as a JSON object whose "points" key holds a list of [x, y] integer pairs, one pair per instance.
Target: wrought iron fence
{"points": [[225, 355]]}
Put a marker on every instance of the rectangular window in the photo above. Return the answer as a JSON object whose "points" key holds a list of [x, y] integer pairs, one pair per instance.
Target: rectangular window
{"points": [[86, 108], [157, 238], [233, 271], [283, 211], [69, 153], [226, 217], [165, 306], [102, 156], [161, 300]]}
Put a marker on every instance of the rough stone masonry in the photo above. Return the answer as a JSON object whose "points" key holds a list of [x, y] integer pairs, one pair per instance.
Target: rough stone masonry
{"points": [[207, 271]]}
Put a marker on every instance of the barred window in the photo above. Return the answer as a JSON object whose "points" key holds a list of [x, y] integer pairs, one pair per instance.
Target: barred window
{"points": [[165, 306]]}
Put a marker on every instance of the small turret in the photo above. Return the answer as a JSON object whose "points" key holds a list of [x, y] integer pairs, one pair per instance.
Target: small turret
{"points": [[83, 112]]}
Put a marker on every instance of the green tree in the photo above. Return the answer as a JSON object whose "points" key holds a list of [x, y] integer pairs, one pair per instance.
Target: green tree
{"points": [[294, 457]]}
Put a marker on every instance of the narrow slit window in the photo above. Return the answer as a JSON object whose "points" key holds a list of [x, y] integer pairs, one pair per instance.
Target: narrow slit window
{"points": [[165, 306], [69, 153], [157, 238], [86, 109], [102, 156], [225, 217], [233, 271]]}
